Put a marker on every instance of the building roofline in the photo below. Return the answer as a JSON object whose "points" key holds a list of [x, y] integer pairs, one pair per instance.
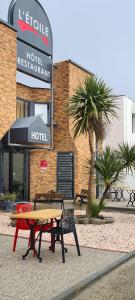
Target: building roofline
{"points": [[80, 67], [115, 96], [118, 96], [75, 64], [7, 24]]}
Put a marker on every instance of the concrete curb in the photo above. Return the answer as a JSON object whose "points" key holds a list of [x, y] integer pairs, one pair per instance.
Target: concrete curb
{"points": [[123, 210], [79, 287]]}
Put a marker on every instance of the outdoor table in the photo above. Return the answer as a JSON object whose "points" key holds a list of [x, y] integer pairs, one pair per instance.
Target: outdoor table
{"points": [[131, 192], [119, 189], [38, 215], [115, 193]]}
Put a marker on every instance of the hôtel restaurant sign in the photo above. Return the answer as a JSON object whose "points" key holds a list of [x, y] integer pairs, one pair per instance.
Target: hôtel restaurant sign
{"points": [[34, 34]]}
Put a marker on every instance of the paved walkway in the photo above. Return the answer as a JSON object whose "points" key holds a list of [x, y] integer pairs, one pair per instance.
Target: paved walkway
{"points": [[117, 285], [30, 280]]}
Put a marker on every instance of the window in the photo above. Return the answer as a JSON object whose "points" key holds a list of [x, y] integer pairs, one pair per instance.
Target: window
{"points": [[22, 109], [28, 108], [42, 110], [133, 123]]}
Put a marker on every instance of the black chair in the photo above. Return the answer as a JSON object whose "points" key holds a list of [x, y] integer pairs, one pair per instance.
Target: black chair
{"points": [[64, 226]]}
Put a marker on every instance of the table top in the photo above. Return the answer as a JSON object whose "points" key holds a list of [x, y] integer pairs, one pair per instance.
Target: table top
{"points": [[119, 186], [43, 214], [130, 189]]}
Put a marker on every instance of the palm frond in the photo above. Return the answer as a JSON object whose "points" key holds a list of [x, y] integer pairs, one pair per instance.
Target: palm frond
{"points": [[109, 166], [91, 107], [127, 155]]}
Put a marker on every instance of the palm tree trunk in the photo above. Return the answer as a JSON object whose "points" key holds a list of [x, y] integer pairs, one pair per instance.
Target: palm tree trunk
{"points": [[91, 174], [105, 193]]}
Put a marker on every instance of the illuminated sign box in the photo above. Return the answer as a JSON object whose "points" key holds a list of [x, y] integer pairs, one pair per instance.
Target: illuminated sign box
{"points": [[34, 38], [33, 62], [32, 24], [29, 130]]}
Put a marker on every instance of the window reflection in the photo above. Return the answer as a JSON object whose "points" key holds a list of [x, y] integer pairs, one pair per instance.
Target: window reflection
{"points": [[26, 108], [22, 109], [42, 110]]}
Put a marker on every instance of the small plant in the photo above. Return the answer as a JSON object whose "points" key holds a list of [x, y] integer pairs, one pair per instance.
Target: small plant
{"points": [[10, 197], [7, 197], [2, 197], [96, 209]]}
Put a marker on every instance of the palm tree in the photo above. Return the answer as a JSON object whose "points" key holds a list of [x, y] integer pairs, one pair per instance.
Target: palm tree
{"points": [[111, 164], [109, 167], [127, 155], [90, 108]]}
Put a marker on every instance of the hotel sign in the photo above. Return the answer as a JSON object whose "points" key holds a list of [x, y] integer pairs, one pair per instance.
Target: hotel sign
{"points": [[38, 136], [34, 38], [32, 24], [30, 130], [33, 62], [43, 164]]}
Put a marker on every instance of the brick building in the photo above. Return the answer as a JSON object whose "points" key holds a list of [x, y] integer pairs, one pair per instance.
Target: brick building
{"points": [[20, 166]]}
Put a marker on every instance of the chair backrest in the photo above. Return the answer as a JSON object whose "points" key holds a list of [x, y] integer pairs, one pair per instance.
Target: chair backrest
{"points": [[42, 196], [51, 195], [21, 208], [57, 196], [83, 191], [67, 222]]}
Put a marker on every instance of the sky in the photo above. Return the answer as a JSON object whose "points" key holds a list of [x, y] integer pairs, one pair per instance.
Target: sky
{"points": [[97, 34]]}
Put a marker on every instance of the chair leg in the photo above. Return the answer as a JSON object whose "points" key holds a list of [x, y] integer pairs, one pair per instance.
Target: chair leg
{"points": [[74, 199], [81, 202], [39, 247], [29, 242], [15, 239], [35, 205], [77, 243], [34, 251], [62, 204], [53, 242], [63, 250]]}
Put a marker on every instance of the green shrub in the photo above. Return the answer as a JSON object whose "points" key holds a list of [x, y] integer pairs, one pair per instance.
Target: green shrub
{"points": [[2, 197], [10, 197], [96, 209], [7, 197]]}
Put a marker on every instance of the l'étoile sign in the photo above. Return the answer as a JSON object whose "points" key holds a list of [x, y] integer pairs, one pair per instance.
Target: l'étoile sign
{"points": [[32, 24]]}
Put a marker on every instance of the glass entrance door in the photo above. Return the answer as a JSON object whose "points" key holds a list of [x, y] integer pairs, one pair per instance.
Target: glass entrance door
{"points": [[17, 176], [14, 174], [6, 171]]}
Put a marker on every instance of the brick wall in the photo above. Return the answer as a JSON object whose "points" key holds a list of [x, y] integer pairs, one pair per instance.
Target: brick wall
{"points": [[77, 77], [32, 94], [7, 78], [67, 77]]}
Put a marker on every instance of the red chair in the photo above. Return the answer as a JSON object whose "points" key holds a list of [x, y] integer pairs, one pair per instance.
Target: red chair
{"points": [[21, 224]]}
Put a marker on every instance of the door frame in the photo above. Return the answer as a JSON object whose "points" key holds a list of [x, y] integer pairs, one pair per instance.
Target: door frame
{"points": [[11, 151]]}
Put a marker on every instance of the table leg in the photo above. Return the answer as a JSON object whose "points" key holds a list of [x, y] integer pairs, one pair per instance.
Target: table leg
{"points": [[32, 242], [115, 195], [131, 194], [133, 199], [122, 195]]}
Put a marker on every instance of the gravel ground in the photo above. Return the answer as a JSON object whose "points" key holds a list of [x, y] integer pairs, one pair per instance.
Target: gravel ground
{"points": [[117, 285], [30, 280], [118, 236]]}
